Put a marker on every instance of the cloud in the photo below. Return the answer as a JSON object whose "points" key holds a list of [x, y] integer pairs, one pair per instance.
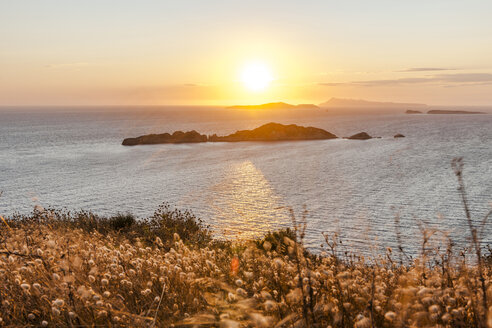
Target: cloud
{"points": [[196, 85], [461, 79], [465, 77], [332, 84], [427, 69], [68, 65], [391, 81]]}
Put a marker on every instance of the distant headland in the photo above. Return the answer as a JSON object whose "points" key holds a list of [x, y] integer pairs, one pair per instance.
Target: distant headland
{"points": [[361, 106], [275, 105], [267, 132], [438, 111], [443, 111], [361, 103]]}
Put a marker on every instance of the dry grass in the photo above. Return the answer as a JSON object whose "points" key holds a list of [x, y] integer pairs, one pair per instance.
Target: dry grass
{"points": [[57, 274]]}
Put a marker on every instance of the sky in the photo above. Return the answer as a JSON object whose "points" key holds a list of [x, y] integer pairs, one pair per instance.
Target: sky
{"points": [[108, 52]]}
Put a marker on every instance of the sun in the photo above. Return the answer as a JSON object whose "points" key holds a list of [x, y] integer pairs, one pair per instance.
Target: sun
{"points": [[256, 76]]}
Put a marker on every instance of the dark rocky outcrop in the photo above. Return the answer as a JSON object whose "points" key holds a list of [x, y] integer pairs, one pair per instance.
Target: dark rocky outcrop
{"points": [[399, 135], [438, 111], [276, 132], [411, 111], [176, 137], [360, 136], [267, 132]]}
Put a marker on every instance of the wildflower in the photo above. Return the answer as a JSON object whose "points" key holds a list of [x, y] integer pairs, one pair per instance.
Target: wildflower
{"points": [[363, 322], [266, 295], [267, 246], [241, 292], [106, 294], [39, 251], [427, 300], [248, 275], [390, 316], [58, 302], [25, 287], [104, 282], [102, 313], [278, 262], [260, 320], [72, 315], [434, 308], [44, 323], [239, 282], [270, 305], [55, 311], [145, 292], [31, 316]]}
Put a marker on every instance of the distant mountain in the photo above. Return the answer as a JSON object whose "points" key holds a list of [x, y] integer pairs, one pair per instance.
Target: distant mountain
{"points": [[360, 104], [275, 105], [436, 111]]}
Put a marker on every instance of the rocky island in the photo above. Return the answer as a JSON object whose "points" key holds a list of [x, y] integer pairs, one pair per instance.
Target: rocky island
{"points": [[267, 132], [276, 132], [411, 111], [176, 137], [360, 136]]}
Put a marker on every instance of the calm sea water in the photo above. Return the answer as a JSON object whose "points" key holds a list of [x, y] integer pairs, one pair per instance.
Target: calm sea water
{"points": [[73, 159]]}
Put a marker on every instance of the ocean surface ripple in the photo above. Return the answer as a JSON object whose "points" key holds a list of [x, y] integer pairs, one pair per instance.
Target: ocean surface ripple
{"points": [[74, 160]]}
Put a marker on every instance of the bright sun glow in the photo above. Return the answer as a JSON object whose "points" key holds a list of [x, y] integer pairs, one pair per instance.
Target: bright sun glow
{"points": [[256, 76]]}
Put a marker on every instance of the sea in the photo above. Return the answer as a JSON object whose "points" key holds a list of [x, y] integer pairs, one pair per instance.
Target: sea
{"points": [[372, 194]]}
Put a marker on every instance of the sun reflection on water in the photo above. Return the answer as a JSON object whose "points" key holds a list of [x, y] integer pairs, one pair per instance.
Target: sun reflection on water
{"points": [[244, 203]]}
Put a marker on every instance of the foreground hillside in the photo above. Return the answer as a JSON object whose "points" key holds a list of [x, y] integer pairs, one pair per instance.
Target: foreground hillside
{"points": [[82, 270]]}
